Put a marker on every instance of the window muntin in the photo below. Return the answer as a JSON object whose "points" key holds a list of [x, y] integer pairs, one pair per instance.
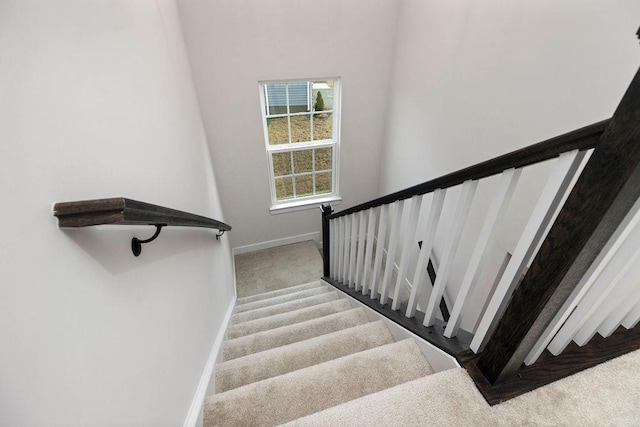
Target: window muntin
{"points": [[300, 120]]}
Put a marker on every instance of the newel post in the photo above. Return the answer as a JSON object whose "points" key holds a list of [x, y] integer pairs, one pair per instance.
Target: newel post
{"points": [[326, 240], [603, 195]]}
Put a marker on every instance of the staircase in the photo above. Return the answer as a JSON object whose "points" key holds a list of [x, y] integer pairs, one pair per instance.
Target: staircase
{"points": [[294, 352]]}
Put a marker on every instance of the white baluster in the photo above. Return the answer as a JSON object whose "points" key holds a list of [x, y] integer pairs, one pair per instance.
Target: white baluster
{"points": [[410, 239], [353, 243], [631, 320], [450, 248], [615, 319], [381, 237], [499, 205], [360, 257], [333, 224], [391, 251], [368, 254], [340, 239], [599, 293], [543, 214], [345, 256], [626, 285], [431, 227], [631, 220]]}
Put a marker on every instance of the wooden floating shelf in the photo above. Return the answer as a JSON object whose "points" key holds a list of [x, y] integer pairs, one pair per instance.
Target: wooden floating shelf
{"points": [[123, 211]]}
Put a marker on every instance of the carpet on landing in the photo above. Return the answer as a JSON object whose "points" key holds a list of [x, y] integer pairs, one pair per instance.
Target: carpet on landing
{"points": [[276, 268]]}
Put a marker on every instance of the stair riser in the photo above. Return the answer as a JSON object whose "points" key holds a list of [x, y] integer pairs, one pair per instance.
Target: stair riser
{"points": [[281, 299], [266, 340], [284, 319], [300, 393], [279, 292], [300, 355], [239, 318]]}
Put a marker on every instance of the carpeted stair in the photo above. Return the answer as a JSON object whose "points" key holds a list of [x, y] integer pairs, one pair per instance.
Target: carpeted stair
{"points": [[297, 351]]}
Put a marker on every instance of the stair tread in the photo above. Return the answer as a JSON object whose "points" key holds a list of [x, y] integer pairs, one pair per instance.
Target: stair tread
{"points": [[289, 334], [278, 292], [305, 391], [441, 393], [304, 293], [284, 307], [288, 318], [281, 360]]}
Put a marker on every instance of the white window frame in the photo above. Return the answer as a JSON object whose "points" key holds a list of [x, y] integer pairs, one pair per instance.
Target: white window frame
{"points": [[312, 201]]}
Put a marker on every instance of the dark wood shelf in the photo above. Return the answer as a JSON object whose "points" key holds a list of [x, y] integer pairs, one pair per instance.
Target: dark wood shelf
{"points": [[123, 211]]}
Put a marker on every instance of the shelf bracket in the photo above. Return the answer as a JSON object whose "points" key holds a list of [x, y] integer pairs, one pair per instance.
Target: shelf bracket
{"points": [[136, 244], [221, 232]]}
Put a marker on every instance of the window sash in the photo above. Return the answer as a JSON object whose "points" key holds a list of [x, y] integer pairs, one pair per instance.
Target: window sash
{"points": [[300, 146], [313, 173]]}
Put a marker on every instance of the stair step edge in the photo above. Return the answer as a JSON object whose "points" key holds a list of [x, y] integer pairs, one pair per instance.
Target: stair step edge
{"points": [[277, 292], [299, 355], [281, 298], [288, 318]]}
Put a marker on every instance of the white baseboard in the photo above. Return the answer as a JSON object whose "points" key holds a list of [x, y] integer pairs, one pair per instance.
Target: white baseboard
{"points": [[195, 410], [278, 242]]}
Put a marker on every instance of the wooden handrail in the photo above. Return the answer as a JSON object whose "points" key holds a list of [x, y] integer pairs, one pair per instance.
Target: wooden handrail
{"points": [[581, 139], [123, 211]]}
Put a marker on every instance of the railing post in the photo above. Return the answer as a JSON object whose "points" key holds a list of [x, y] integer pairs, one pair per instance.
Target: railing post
{"points": [[326, 241]]}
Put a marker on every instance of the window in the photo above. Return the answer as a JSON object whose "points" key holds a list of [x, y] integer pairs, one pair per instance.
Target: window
{"points": [[301, 129]]}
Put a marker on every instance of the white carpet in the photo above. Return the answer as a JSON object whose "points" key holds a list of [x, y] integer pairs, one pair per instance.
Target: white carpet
{"points": [[605, 395], [277, 268], [313, 361]]}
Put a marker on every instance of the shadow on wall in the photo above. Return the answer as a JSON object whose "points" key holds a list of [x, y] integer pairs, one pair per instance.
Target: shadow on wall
{"points": [[110, 246]]}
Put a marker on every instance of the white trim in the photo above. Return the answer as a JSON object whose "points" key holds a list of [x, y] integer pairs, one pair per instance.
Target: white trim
{"points": [[438, 359], [299, 146], [195, 410], [235, 281], [302, 204], [280, 206], [277, 242]]}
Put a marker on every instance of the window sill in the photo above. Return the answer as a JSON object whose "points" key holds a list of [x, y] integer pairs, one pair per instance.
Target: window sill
{"points": [[300, 205]]}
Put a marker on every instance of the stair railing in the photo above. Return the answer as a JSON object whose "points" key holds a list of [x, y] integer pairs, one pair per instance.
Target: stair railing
{"points": [[367, 245], [559, 284]]}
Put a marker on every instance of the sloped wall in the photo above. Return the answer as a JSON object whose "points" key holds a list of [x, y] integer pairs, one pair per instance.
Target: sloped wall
{"points": [[97, 101]]}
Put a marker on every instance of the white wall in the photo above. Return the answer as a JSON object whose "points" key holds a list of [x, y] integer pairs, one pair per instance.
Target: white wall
{"points": [[97, 101], [233, 44], [473, 80]]}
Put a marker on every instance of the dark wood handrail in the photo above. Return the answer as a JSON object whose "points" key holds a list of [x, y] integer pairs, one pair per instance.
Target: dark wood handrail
{"points": [[123, 211], [581, 139]]}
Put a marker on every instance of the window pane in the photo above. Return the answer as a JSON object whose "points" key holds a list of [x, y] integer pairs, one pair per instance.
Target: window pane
{"points": [[322, 95], [303, 161], [300, 128], [278, 130], [281, 164], [323, 159], [275, 98], [322, 126], [284, 188], [323, 183], [304, 185], [299, 97]]}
